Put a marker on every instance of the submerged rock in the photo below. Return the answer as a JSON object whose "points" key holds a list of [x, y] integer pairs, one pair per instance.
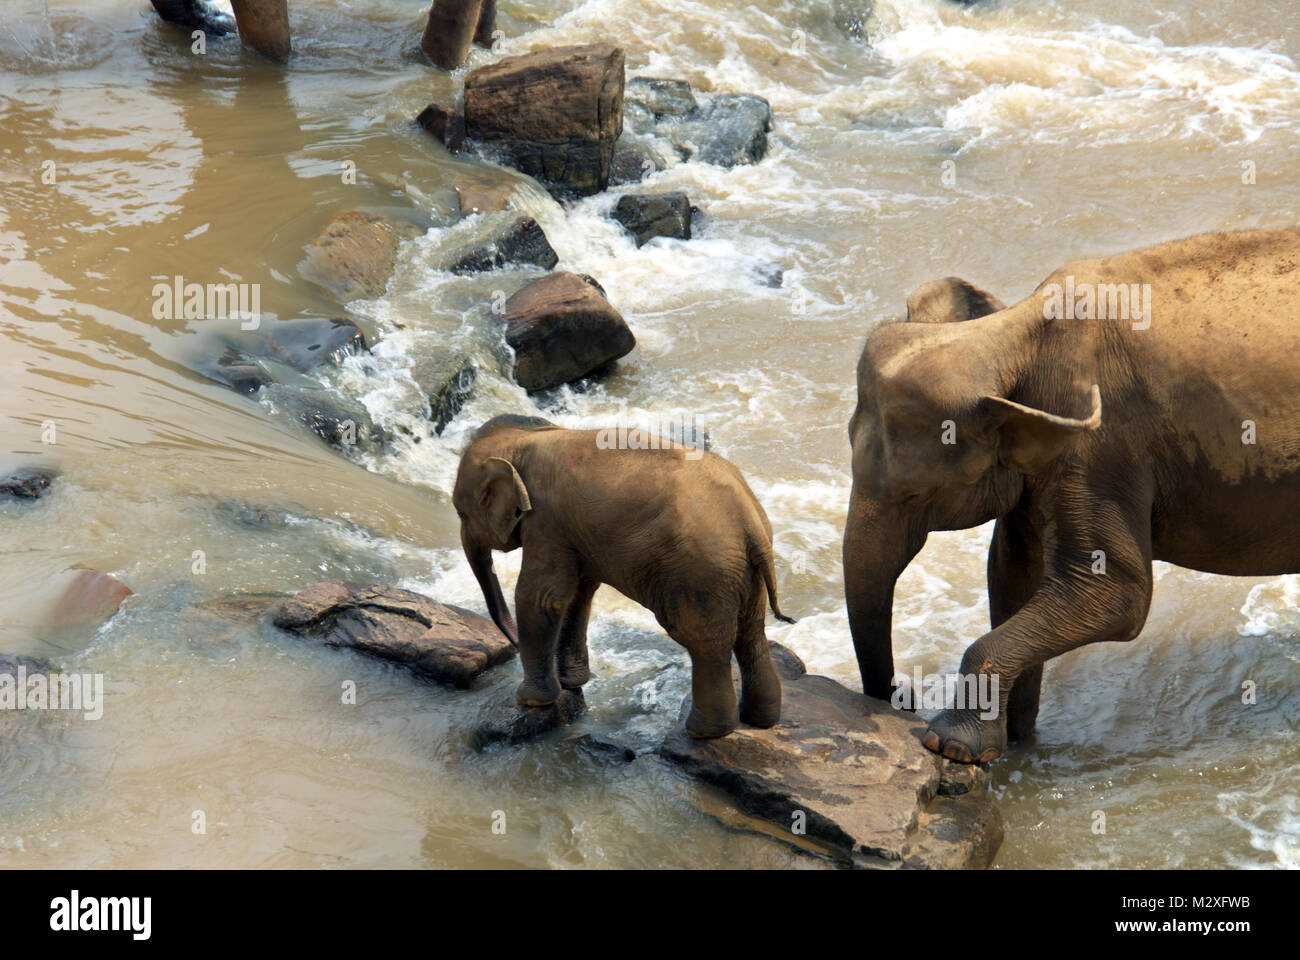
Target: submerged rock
{"points": [[341, 422], [554, 114], [431, 639], [305, 344], [444, 125], [237, 371], [651, 215], [849, 771], [633, 162], [504, 721], [659, 98], [89, 599], [521, 242], [447, 380], [562, 328], [222, 619], [27, 484], [354, 254], [482, 196], [731, 130]]}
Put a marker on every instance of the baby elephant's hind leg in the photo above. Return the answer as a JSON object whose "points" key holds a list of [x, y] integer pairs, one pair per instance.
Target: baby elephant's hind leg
{"points": [[760, 687]]}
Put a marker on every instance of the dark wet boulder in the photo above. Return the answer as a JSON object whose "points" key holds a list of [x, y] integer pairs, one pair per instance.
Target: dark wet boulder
{"points": [[447, 379], [444, 125], [504, 721], [454, 26], [195, 15], [554, 114], [433, 640], [650, 215], [27, 484], [308, 343], [341, 422], [354, 254], [731, 130], [844, 776], [562, 328], [522, 242]]}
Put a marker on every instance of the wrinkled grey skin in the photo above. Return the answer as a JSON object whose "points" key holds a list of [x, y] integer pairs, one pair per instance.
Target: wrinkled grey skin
{"points": [[1098, 445]]}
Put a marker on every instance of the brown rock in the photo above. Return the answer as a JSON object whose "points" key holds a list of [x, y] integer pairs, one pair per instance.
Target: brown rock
{"points": [[445, 125], [264, 26], [481, 196], [433, 640], [562, 328], [868, 792], [520, 242], [454, 25], [354, 254], [504, 721], [90, 597], [554, 114]]}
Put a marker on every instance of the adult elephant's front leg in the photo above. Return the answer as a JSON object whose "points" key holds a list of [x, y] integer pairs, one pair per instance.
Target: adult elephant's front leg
{"points": [[571, 656], [543, 595], [1015, 572], [1079, 602]]}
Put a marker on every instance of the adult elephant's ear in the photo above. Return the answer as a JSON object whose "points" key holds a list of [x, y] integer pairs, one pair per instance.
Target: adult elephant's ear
{"points": [[950, 300], [503, 494], [1029, 439]]}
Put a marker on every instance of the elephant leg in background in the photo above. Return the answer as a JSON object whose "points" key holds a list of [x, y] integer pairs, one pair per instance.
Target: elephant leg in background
{"points": [[760, 687], [572, 653], [264, 26], [546, 590], [1072, 607], [1015, 572]]}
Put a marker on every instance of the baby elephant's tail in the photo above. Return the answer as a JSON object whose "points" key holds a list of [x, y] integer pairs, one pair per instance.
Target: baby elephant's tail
{"points": [[762, 558]]}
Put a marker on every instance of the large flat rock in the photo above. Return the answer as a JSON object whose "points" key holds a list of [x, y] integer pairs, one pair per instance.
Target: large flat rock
{"points": [[431, 639], [851, 771]]}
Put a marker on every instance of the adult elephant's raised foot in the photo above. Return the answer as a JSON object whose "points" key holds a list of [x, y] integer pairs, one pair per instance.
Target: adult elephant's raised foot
{"points": [[962, 735]]}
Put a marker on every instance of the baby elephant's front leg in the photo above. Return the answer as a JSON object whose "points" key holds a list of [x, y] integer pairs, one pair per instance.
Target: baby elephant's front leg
{"points": [[542, 598]]}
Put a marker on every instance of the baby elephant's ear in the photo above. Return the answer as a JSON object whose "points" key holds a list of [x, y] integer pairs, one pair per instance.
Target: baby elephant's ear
{"points": [[509, 497], [1029, 439], [950, 300]]}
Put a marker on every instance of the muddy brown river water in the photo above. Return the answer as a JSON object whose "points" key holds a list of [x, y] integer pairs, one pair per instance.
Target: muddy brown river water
{"points": [[913, 139]]}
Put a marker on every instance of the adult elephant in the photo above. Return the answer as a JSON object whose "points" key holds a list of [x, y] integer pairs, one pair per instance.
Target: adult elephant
{"points": [[1138, 407], [263, 25]]}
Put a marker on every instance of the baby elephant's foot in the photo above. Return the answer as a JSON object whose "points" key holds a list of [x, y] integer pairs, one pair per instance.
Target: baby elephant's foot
{"points": [[962, 736], [537, 693], [574, 677], [761, 711], [702, 727]]}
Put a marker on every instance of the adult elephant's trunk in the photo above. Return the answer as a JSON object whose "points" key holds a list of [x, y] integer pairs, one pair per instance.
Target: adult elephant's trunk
{"points": [[480, 561], [879, 543]]}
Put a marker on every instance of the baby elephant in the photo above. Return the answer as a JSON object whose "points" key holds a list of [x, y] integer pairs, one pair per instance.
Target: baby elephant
{"points": [[676, 529]]}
